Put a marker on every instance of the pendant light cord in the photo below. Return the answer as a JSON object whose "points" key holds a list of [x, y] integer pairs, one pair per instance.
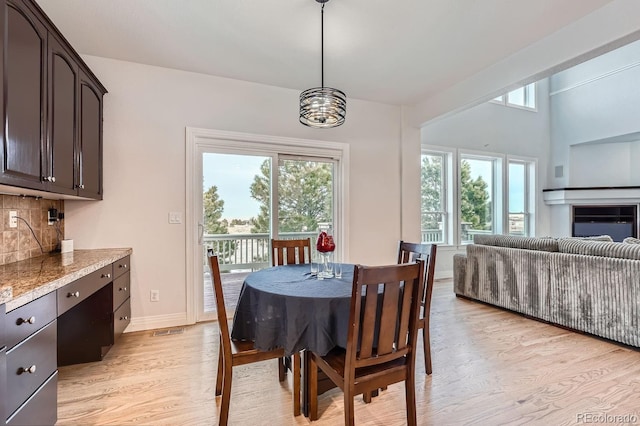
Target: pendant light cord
{"points": [[322, 45]]}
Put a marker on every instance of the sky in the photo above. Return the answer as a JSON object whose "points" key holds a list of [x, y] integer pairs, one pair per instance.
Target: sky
{"points": [[233, 175]]}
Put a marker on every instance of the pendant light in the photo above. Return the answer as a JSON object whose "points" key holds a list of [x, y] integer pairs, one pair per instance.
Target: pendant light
{"points": [[322, 107]]}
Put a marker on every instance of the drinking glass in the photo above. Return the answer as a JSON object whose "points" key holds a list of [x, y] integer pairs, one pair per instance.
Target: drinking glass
{"points": [[337, 269]]}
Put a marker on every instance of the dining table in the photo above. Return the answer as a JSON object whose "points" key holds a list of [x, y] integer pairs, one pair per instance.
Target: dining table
{"points": [[288, 307]]}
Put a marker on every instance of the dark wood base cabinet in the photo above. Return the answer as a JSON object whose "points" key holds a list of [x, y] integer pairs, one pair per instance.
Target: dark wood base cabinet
{"points": [[75, 324]]}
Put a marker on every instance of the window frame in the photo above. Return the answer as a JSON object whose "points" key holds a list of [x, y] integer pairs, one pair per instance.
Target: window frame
{"points": [[452, 233], [528, 88]]}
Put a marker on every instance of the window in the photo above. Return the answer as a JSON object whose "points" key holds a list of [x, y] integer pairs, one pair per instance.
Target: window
{"points": [[465, 194], [434, 197], [519, 189], [477, 197], [523, 97]]}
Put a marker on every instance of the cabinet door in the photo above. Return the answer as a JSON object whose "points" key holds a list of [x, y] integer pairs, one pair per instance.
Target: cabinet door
{"points": [[23, 153], [90, 170], [62, 140]]}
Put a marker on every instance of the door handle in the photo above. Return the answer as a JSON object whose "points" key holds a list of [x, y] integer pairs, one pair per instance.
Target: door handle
{"points": [[200, 233]]}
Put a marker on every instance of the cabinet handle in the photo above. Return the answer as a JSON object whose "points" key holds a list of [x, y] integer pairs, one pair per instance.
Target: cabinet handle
{"points": [[29, 370], [122, 289], [106, 276], [75, 294], [30, 320], [122, 265], [124, 318]]}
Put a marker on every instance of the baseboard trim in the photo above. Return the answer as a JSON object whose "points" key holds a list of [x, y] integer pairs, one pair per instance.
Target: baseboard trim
{"points": [[157, 321]]}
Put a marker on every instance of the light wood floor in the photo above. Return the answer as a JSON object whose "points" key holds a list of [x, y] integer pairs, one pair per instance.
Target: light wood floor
{"points": [[490, 367]]}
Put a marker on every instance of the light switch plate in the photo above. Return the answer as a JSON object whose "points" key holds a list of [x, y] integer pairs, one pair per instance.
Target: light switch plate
{"points": [[175, 217]]}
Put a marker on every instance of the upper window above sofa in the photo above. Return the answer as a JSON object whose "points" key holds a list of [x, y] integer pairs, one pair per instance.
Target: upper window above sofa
{"points": [[523, 97]]}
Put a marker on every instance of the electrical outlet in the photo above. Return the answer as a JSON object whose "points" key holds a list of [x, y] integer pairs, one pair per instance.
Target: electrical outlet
{"points": [[155, 295], [13, 219]]}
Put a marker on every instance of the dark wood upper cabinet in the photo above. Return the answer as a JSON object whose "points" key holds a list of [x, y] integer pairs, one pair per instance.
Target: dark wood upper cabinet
{"points": [[24, 132], [63, 99], [90, 171], [52, 115]]}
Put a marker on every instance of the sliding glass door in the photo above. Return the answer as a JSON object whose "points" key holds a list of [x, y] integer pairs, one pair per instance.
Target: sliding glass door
{"points": [[246, 201]]}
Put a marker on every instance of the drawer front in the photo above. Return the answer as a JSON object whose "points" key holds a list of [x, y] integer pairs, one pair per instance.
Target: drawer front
{"points": [[121, 319], [121, 266], [26, 320], [41, 408], [75, 292], [29, 364], [121, 289]]}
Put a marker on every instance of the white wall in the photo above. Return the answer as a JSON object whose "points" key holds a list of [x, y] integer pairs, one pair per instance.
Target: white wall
{"points": [[494, 128], [595, 120], [146, 112]]}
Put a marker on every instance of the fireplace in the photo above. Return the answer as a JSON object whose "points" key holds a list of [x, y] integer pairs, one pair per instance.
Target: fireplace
{"points": [[619, 221]]}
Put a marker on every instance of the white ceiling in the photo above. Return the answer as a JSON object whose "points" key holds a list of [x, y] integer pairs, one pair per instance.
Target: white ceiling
{"points": [[395, 52]]}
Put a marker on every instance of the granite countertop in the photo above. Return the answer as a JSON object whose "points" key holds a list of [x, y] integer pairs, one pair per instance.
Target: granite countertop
{"points": [[21, 282]]}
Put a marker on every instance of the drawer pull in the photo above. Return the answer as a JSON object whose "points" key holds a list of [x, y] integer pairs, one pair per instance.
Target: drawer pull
{"points": [[106, 276], [74, 294], [122, 289], [29, 370], [122, 265], [124, 318], [30, 320]]}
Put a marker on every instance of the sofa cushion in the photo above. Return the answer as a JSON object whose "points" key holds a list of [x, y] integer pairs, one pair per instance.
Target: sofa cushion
{"points": [[631, 240], [599, 248], [511, 241], [606, 238]]}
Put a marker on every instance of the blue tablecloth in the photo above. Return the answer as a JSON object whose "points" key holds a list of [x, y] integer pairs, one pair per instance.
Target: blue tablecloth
{"points": [[285, 307]]}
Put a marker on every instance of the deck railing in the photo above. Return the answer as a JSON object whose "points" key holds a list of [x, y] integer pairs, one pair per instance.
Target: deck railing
{"points": [[250, 252], [245, 251]]}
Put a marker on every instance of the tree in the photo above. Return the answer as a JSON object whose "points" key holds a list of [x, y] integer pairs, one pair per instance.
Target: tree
{"points": [[213, 208], [213, 222], [431, 182], [475, 207], [305, 191]]}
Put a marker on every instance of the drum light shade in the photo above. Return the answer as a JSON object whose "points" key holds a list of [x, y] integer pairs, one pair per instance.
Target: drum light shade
{"points": [[322, 107]]}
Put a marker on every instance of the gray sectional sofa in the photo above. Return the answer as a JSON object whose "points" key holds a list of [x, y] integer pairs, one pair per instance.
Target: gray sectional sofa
{"points": [[586, 285]]}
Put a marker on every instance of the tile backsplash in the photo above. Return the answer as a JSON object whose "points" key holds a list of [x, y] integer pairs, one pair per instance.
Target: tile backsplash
{"points": [[19, 243]]}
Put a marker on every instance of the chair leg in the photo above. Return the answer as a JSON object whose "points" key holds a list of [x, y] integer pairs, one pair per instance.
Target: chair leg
{"points": [[281, 370], [426, 340], [349, 410], [226, 394], [220, 374], [296, 383], [313, 389], [366, 397], [410, 395]]}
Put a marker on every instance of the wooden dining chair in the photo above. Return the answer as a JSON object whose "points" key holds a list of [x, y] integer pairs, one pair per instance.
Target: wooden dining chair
{"points": [[290, 252], [234, 353], [410, 252], [383, 325]]}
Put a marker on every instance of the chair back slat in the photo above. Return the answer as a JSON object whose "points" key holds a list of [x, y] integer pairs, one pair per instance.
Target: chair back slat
{"points": [[225, 337], [405, 316], [368, 321], [388, 318], [294, 251], [393, 317]]}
